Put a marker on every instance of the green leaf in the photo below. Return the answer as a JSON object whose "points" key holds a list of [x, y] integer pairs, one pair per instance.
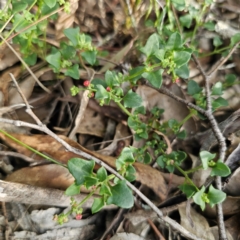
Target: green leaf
{"points": [[180, 156], [130, 173], [186, 20], [159, 54], [73, 189], [73, 72], [121, 195], [80, 169], [132, 100], [210, 26], [205, 158], [50, 3], [98, 81], [45, 9], [187, 189], [141, 132], [90, 56], [215, 196], [217, 41], [230, 79], [20, 23], [101, 174], [220, 169], [151, 46], [126, 156], [18, 6], [55, 60], [179, 4], [31, 59], [132, 123], [174, 42], [182, 134], [136, 73], [198, 198], [140, 128], [173, 124], [219, 102], [147, 158], [217, 89], [161, 161], [140, 110], [235, 39], [193, 88], [67, 51], [90, 181], [182, 72], [73, 35], [181, 58], [170, 168], [101, 93], [111, 79], [105, 190], [98, 204], [155, 78]]}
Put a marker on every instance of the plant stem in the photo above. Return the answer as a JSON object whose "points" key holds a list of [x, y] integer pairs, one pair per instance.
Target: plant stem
{"points": [[31, 149], [86, 198], [194, 169], [123, 109], [191, 114], [184, 173]]}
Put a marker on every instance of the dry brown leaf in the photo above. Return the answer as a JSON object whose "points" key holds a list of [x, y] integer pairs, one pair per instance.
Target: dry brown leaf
{"points": [[5, 81], [120, 135], [200, 225], [7, 57], [117, 58], [230, 206], [92, 123], [233, 226], [147, 175], [66, 20], [26, 87], [232, 186], [49, 175]]}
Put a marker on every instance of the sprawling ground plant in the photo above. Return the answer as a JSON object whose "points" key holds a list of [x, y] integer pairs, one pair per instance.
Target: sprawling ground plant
{"points": [[166, 54]]}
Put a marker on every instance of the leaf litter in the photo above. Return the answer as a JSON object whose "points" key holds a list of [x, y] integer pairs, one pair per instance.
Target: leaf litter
{"points": [[60, 114]]}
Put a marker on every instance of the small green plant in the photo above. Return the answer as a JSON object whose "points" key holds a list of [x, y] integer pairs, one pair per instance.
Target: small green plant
{"points": [[167, 52], [110, 189], [199, 196], [172, 57]]}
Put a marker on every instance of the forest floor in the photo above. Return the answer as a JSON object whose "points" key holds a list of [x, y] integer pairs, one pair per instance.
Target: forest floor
{"points": [[57, 122]]}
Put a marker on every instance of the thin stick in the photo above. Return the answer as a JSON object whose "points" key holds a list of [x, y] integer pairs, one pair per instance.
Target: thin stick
{"points": [[222, 60], [157, 232], [167, 92], [25, 100], [222, 145], [26, 66]]}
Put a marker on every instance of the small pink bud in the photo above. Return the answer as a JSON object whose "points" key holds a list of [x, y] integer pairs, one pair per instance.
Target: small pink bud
{"points": [[86, 83], [108, 89], [78, 216], [177, 80], [91, 95]]}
